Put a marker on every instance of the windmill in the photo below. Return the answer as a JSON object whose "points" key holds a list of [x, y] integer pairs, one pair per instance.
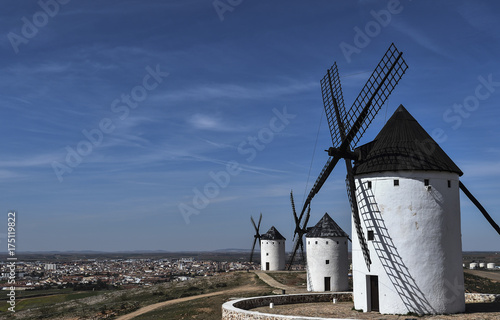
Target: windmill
{"points": [[406, 191], [348, 126], [256, 236], [272, 247]]}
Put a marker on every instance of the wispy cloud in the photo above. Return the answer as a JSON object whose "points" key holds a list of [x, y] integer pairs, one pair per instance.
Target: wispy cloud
{"points": [[209, 122], [6, 174], [203, 121], [233, 91], [421, 38], [219, 144], [479, 16], [33, 161]]}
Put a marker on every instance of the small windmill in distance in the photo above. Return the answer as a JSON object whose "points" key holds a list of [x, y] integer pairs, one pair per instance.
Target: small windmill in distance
{"points": [[272, 247]]}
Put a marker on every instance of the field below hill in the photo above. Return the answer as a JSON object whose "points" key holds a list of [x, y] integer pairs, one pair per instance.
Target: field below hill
{"points": [[199, 298], [114, 304]]}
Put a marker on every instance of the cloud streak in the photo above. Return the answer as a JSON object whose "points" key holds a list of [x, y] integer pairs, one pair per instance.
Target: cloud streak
{"points": [[234, 91]]}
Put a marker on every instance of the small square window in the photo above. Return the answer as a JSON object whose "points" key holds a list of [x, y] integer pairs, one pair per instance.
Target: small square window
{"points": [[273, 242], [369, 184], [426, 182], [370, 235], [327, 261], [396, 182], [315, 242], [267, 253], [308, 242], [449, 183], [327, 242]]}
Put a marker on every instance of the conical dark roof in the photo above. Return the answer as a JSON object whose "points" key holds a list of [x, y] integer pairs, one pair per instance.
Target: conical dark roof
{"points": [[403, 145], [272, 234], [326, 227]]}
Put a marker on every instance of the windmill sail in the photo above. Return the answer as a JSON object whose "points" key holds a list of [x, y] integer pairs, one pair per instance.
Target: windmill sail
{"points": [[300, 230], [480, 207], [366, 106], [256, 236], [347, 127]]}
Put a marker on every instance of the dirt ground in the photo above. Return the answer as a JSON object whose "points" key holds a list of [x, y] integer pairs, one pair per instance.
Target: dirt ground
{"points": [[475, 311], [146, 309], [492, 275]]}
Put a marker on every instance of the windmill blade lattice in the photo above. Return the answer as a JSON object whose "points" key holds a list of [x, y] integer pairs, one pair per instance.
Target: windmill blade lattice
{"points": [[355, 122], [357, 222], [374, 94], [333, 99], [347, 128]]}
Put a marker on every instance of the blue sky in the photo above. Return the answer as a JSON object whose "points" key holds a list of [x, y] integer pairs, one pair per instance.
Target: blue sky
{"points": [[175, 93]]}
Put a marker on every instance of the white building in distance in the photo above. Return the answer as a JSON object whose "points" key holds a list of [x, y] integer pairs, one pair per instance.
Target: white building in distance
{"points": [[272, 250], [407, 190], [327, 261]]}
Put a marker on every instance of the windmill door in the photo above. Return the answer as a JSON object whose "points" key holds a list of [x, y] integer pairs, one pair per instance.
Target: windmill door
{"points": [[374, 293], [327, 284], [267, 265]]}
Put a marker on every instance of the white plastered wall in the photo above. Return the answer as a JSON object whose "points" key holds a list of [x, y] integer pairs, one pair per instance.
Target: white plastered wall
{"points": [[417, 250], [273, 252], [321, 250]]}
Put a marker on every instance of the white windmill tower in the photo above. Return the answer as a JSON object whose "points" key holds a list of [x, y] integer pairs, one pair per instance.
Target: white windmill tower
{"points": [[272, 250], [407, 191], [327, 261]]}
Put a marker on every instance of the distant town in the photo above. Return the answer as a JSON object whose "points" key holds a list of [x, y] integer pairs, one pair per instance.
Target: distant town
{"points": [[108, 271], [99, 272]]}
